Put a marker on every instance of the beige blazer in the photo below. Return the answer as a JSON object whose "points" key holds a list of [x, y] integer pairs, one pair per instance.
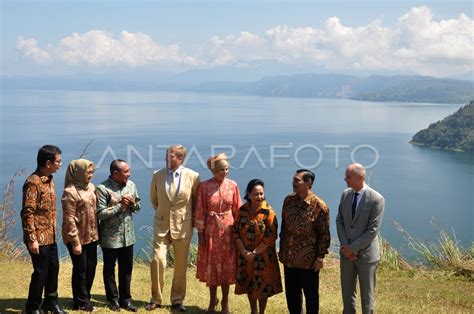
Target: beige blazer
{"points": [[174, 215]]}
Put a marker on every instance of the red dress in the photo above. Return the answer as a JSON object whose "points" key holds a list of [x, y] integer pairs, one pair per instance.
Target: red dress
{"points": [[216, 207]]}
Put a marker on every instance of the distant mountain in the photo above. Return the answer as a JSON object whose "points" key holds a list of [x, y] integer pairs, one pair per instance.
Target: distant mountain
{"points": [[468, 76], [416, 89], [297, 85], [372, 88], [455, 132], [306, 86]]}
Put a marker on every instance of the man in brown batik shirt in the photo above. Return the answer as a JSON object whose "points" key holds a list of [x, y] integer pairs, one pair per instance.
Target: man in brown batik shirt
{"points": [[304, 241], [38, 217]]}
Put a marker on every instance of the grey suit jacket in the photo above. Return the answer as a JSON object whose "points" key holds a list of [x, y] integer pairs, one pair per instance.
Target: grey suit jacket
{"points": [[174, 215], [361, 232]]}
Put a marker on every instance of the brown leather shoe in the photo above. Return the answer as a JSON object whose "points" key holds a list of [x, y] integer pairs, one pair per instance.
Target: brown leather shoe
{"points": [[152, 306]]}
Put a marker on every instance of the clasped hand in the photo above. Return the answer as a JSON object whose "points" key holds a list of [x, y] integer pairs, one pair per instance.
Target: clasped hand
{"points": [[347, 252], [128, 200], [249, 256]]}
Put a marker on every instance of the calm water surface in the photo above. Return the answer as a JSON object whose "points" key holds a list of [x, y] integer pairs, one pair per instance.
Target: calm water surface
{"points": [[269, 137]]}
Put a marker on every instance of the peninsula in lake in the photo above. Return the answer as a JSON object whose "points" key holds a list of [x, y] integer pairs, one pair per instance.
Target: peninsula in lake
{"points": [[455, 132]]}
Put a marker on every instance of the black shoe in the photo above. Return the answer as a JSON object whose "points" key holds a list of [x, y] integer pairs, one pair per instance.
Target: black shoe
{"points": [[85, 308], [128, 306], [114, 306], [54, 309], [178, 307], [33, 311]]}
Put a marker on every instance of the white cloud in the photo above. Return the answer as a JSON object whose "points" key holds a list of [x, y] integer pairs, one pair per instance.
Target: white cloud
{"points": [[101, 48], [232, 49], [444, 40], [31, 50], [418, 43]]}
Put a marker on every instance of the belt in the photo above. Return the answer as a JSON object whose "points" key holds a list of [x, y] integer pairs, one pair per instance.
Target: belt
{"points": [[219, 217]]}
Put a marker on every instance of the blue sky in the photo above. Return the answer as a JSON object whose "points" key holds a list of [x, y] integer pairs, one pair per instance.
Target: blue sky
{"points": [[64, 37]]}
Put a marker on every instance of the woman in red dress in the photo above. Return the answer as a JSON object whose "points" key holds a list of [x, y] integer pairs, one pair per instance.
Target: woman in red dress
{"points": [[217, 205]]}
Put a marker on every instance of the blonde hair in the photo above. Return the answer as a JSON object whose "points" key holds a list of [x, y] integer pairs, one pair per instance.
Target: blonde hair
{"points": [[179, 150], [216, 163]]}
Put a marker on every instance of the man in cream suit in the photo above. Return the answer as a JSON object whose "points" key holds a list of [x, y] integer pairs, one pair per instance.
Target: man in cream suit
{"points": [[358, 223], [172, 192]]}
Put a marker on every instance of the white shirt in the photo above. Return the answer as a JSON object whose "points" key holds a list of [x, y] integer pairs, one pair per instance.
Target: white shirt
{"points": [[177, 179], [361, 193]]}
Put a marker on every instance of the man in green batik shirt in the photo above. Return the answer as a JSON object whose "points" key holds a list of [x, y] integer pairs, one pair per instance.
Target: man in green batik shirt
{"points": [[117, 199]]}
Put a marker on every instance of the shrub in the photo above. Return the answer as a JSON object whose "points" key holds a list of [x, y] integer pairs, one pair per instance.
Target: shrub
{"points": [[9, 247], [390, 258], [447, 254]]}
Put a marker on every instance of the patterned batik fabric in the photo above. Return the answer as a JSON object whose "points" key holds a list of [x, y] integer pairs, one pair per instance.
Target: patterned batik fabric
{"points": [[261, 278], [38, 213], [116, 229], [304, 232]]}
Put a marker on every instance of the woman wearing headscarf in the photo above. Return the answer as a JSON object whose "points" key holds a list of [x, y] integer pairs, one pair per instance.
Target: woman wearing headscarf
{"points": [[255, 232], [79, 229], [217, 204]]}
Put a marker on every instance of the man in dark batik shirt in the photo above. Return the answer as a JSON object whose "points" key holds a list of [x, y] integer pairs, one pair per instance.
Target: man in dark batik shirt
{"points": [[304, 241], [38, 218]]}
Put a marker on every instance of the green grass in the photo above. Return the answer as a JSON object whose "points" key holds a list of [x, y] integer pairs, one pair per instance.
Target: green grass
{"points": [[398, 291], [401, 287]]}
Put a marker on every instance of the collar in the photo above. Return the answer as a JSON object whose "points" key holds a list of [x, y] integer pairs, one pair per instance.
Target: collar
{"points": [[217, 182], [46, 179], [262, 205], [43, 178], [117, 184], [362, 190], [308, 197], [177, 171]]}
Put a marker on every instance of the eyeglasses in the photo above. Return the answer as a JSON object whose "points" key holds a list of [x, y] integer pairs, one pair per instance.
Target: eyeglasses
{"points": [[59, 162]]}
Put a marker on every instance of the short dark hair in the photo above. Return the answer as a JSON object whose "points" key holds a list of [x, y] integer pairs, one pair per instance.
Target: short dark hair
{"points": [[252, 183], [45, 153], [115, 165], [308, 175]]}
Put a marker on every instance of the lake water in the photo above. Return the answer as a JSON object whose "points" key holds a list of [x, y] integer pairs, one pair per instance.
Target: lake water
{"points": [[269, 138]]}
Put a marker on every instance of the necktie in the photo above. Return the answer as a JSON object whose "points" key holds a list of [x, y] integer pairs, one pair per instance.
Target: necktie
{"points": [[172, 186], [354, 204]]}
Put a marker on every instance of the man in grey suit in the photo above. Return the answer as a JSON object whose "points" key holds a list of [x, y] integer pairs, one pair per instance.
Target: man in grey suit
{"points": [[358, 223]]}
